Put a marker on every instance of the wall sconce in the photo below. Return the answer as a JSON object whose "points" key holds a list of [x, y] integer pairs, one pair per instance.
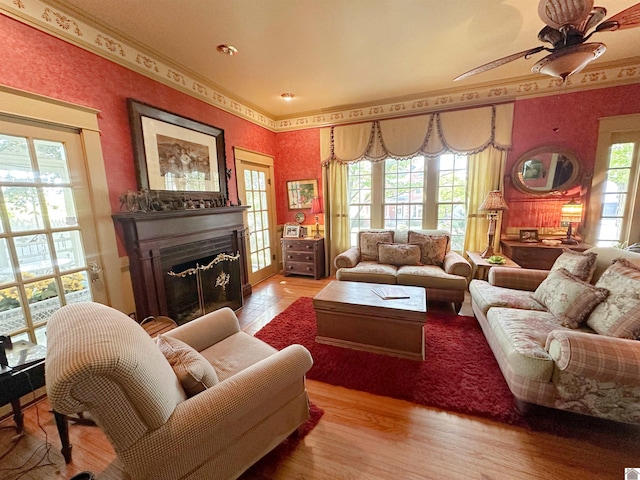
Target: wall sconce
{"points": [[492, 204], [571, 213], [316, 209]]}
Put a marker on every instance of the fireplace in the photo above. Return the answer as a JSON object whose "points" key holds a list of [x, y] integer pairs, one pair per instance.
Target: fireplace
{"points": [[186, 263], [200, 277]]}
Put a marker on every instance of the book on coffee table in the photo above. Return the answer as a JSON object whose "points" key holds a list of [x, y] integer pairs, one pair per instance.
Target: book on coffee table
{"points": [[390, 293]]}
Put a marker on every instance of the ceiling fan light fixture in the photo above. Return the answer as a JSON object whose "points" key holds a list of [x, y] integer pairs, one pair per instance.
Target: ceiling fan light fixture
{"points": [[569, 60]]}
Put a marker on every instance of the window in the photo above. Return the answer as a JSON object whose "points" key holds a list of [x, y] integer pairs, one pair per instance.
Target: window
{"points": [[615, 194], [452, 198], [613, 215], [400, 194]]}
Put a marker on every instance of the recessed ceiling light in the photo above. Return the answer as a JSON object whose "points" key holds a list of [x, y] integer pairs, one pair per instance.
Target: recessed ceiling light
{"points": [[227, 49], [288, 96]]}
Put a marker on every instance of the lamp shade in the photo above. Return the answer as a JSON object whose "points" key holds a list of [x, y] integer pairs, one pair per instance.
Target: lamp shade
{"points": [[571, 212], [493, 202], [316, 206]]}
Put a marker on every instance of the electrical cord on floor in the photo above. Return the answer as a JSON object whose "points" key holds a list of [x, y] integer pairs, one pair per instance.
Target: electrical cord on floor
{"points": [[16, 473]]}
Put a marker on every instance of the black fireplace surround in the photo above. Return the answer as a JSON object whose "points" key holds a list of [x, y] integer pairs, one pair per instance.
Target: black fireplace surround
{"points": [[186, 263]]}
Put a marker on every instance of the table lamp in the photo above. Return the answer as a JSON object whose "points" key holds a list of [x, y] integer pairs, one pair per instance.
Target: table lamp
{"points": [[316, 209], [571, 213], [492, 204]]}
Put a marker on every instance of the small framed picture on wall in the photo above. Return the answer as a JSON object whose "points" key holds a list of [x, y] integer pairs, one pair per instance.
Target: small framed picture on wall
{"points": [[301, 193], [529, 236]]}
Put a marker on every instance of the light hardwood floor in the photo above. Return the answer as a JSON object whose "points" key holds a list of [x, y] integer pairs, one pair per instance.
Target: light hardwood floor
{"points": [[363, 436]]}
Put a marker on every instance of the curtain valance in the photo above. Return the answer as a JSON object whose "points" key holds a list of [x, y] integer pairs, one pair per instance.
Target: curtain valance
{"points": [[461, 131]]}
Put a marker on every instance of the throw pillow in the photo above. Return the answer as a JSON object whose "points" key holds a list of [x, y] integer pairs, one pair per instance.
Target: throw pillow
{"points": [[368, 243], [433, 247], [618, 315], [195, 373], [399, 254], [569, 298], [580, 264]]}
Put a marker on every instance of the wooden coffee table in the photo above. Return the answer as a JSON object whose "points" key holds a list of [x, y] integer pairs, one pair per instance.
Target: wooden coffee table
{"points": [[349, 314]]}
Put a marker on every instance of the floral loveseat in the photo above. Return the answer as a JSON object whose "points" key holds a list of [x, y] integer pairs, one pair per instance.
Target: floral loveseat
{"points": [[568, 338], [407, 257]]}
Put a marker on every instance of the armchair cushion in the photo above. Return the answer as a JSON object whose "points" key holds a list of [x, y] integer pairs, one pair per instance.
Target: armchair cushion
{"points": [[193, 370], [580, 264], [433, 247], [566, 296], [368, 242], [399, 254]]}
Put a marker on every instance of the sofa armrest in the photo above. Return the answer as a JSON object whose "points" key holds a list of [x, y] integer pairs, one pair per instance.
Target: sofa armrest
{"points": [[607, 359], [208, 329], [348, 259], [517, 278], [456, 264]]}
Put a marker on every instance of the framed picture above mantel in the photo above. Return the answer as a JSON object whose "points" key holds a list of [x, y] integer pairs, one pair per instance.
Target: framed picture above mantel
{"points": [[177, 155]]}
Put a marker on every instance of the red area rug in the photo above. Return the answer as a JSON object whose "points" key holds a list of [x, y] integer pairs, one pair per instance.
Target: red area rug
{"points": [[460, 374]]}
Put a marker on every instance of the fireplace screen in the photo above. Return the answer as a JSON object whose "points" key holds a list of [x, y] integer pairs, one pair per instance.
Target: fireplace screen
{"points": [[199, 286]]}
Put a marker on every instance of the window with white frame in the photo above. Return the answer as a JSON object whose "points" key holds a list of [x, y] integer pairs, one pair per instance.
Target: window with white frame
{"points": [[407, 194]]}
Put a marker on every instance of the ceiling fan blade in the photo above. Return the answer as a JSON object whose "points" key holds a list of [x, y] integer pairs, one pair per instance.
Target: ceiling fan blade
{"points": [[629, 18], [558, 13], [499, 62]]}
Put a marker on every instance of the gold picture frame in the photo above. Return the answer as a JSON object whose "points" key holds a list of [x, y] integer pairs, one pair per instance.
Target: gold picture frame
{"points": [[301, 193]]}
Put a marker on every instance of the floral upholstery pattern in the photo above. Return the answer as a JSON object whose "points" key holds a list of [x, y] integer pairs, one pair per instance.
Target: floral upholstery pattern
{"points": [[368, 242], [433, 247], [486, 296], [522, 335], [399, 254], [580, 264], [597, 398], [579, 369], [566, 296], [622, 279]]}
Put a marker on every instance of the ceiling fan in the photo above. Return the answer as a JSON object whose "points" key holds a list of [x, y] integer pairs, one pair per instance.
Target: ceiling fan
{"points": [[567, 23]]}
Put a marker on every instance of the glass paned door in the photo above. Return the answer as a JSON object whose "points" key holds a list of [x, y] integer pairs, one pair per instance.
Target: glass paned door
{"points": [[46, 240], [257, 194]]}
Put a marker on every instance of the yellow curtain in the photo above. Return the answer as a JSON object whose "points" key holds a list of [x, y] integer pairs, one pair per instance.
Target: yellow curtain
{"points": [[336, 212], [485, 173]]}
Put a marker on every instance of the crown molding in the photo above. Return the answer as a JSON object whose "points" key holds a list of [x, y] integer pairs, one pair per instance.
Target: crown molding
{"points": [[90, 35]]}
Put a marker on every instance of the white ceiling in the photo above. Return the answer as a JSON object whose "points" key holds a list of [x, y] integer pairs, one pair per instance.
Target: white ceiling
{"points": [[337, 53]]}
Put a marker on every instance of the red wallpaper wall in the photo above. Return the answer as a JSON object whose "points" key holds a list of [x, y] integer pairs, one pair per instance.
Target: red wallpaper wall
{"points": [[297, 158], [567, 120], [37, 62]]}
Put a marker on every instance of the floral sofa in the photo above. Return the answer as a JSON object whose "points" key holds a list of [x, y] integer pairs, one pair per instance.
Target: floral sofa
{"points": [[407, 257], [568, 338]]}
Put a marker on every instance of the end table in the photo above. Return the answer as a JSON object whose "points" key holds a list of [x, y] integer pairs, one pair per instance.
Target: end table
{"points": [[480, 266]]}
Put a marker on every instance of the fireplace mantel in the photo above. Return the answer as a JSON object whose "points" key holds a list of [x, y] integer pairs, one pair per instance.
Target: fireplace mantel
{"points": [[146, 234]]}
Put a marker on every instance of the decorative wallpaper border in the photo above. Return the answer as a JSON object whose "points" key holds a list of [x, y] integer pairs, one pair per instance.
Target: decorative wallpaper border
{"points": [[78, 32]]}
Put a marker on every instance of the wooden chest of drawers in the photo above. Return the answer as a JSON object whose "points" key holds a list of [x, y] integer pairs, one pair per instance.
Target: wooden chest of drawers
{"points": [[536, 255], [303, 256]]}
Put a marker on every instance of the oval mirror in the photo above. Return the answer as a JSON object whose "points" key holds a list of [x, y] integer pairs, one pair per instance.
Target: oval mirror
{"points": [[546, 170]]}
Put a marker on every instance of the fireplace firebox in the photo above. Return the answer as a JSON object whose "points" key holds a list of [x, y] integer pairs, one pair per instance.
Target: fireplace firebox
{"points": [[184, 264]]}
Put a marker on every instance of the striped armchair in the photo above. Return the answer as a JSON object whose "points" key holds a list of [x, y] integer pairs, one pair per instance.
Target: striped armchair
{"points": [[101, 361]]}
